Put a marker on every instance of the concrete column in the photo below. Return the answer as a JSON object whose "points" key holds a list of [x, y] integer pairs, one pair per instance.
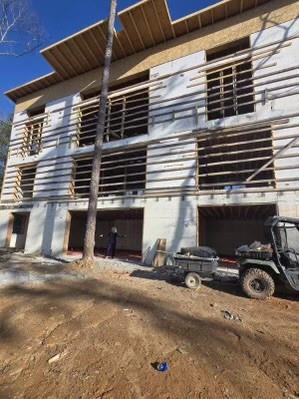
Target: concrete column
{"points": [[4, 223], [60, 226], [36, 225], [289, 206], [174, 219]]}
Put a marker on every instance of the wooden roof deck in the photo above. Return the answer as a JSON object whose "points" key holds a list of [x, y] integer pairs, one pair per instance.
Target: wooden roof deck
{"points": [[144, 25]]}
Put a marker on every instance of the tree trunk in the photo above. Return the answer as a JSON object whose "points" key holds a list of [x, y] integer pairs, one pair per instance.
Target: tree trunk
{"points": [[89, 239]]}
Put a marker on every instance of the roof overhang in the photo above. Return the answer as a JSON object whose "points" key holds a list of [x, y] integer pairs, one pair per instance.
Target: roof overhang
{"points": [[144, 25]]}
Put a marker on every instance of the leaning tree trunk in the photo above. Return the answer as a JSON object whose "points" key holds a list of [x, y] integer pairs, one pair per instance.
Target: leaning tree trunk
{"points": [[89, 239]]}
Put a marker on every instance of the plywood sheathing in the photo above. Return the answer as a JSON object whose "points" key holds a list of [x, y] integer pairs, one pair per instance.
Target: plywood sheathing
{"points": [[145, 24], [265, 16]]}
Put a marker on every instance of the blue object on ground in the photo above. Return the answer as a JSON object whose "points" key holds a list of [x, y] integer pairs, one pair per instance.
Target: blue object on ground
{"points": [[164, 366]]}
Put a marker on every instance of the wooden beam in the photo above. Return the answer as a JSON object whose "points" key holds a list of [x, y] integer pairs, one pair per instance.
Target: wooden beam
{"points": [[147, 25], [137, 30], [158, 20]]}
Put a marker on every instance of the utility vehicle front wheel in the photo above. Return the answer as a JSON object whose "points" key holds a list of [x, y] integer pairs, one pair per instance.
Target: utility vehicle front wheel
{"points": [[257, 284], [193, 280]]}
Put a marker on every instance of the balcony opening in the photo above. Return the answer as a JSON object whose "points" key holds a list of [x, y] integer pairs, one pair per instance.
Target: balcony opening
{"points": [[126, 112], [230, 159], [122, 173], [230, 86]]}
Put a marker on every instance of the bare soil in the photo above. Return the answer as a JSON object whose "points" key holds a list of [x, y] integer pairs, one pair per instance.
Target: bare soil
{"points": [[100, 337]]}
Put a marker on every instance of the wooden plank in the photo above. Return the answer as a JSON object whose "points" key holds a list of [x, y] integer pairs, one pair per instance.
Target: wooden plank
{"points": [[158, 20], [97, 50], [126, 42], [66, 57], [160, 256], [147, 23], [52, 59], [137, 22], [131, 33], [165, 19]]}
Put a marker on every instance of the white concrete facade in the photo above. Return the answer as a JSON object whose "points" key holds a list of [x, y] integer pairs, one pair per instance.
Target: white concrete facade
{"points": [[174, 216]]}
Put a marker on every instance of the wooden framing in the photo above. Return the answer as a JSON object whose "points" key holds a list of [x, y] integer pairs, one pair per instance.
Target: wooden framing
{"points": [[159, 104], [203, 37], [238, 135], [121, 174], [243, 161]]}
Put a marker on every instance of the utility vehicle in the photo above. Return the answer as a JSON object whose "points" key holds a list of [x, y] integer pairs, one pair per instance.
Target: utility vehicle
{"points": [[260, 272]]}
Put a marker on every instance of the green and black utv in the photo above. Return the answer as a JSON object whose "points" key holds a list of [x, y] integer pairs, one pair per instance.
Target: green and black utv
{"points": [[262, 270]]}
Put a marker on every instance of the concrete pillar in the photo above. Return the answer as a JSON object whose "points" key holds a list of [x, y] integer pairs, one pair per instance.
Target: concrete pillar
{"points": [[4, 223], [60, 227], [289, 206], [36, 225], [174, 219]]}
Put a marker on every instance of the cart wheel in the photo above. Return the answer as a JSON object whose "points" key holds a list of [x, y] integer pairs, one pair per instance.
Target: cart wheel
{"points": [[193, 281]]}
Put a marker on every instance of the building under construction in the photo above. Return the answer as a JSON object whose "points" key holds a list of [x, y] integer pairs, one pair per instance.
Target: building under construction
{"points": [[201, 139]]}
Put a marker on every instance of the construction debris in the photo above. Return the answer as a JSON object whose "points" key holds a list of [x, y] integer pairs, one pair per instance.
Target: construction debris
{"points": [[230, 316]]}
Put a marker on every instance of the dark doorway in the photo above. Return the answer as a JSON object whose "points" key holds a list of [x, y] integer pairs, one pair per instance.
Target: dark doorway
{"points": [[129, 223], [225, 228], [17, 231]]}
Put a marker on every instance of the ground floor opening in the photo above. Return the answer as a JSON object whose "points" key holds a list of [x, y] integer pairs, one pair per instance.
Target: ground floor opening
{"points": [[17, 230], [225, 228], [129, 224]]}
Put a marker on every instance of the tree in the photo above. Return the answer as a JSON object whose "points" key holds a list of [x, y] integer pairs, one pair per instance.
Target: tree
{"points": [[89, 239], [20, 28], [5, 128]]}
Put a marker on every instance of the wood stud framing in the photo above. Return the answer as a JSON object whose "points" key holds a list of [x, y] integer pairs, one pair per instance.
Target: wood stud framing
{"points": [[120, 174], [32, 137], [226, 158]]}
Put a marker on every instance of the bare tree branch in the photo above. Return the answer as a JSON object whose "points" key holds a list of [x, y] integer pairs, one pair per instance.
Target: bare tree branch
{"points": [[20, 28]]}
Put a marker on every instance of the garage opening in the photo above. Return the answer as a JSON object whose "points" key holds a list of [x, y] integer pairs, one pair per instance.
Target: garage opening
{"points": [[129, 224], [225, 228], [17, 231]]}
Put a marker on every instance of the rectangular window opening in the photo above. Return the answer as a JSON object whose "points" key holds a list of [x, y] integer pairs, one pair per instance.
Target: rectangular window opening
{"points": [[25, 182], [126, 113], [230, 86], [32, 136], [227, 160], [121, 174]]}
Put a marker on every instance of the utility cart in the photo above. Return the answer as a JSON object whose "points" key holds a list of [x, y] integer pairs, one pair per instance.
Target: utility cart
{"points": [[263, 267], [193, 265]]}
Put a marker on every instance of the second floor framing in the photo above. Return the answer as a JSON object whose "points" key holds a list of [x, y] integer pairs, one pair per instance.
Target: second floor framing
{"points": [[260, 156], [243, 77]]}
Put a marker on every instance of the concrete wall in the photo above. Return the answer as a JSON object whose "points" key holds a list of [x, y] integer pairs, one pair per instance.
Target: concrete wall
{"points": [[174, 219], [37, 221], [225, 235], [4, 223], [171, 217]]}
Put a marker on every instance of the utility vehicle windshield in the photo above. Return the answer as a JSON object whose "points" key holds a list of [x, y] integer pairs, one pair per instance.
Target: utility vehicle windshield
{"points": [[289, 234]]}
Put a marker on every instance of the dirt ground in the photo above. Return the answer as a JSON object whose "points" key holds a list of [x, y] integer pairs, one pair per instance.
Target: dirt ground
{"points": [[99, 338]]}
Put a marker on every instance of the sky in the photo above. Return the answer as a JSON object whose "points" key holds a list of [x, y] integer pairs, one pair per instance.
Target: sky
{"points": [[61, 18]]}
